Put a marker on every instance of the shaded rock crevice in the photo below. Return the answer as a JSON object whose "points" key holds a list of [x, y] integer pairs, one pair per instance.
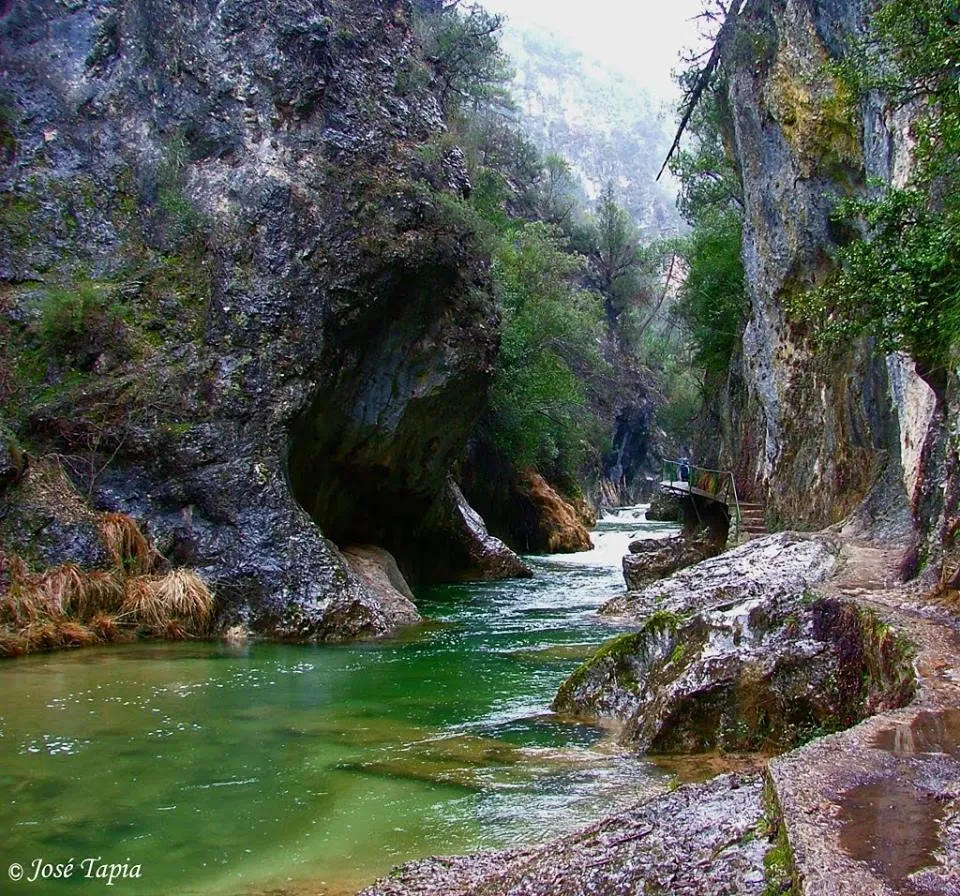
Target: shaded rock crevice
{"points": [[525, 510]]}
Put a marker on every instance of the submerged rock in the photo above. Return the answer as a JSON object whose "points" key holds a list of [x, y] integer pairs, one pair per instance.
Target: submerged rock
{"points": [[738, 654], [703, 838]]}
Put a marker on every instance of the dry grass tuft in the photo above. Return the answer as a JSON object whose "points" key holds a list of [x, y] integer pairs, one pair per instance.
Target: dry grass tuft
{"points": [[187, 596], [102, 592], [107, 628], [20, 604], [75, 634], [157, 601], [66, 606], [175, 631], [44, 634], [142, 604], [12, 643], [59, 589], [127, 545]]}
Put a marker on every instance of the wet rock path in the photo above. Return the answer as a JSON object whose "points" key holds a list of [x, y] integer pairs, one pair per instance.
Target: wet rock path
{"points": [[875, 809]]}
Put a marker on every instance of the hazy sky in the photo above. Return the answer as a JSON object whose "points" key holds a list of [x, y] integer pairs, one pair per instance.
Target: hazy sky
{"points": [[642, 38]]}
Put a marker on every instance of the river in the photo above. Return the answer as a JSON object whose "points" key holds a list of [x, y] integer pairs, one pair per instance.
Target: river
{"points": [[207, 769]]}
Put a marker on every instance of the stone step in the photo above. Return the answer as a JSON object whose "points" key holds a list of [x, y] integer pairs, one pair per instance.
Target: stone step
{"points": [[753, 523]]}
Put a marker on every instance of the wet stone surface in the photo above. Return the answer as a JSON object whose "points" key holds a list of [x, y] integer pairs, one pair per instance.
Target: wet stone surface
{"points": [[704, 838], [876, 809], [891, 827]]}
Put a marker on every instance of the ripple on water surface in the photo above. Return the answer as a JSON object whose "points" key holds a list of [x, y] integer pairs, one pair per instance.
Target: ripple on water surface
{"points": [[234, 770]]}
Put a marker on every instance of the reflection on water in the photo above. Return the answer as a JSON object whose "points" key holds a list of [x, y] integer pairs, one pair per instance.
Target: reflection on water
{"points": [[315, 769], [892, 826], [930, 731]]}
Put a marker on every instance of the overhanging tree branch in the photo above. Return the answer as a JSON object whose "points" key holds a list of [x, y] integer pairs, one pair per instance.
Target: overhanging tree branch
{"points": [[693, 95]]}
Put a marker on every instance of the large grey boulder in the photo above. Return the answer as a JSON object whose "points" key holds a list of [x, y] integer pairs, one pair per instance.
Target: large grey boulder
{"points": [[287, 328], [738, 653]]}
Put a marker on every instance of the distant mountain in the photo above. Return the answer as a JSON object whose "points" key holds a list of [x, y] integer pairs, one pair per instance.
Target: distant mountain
{"points": [[604, 124]]}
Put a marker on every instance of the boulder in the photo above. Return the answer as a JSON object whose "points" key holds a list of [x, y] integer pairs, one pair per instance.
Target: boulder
{"points": [[45, 520], [743, 656], [651, 559], [784, 563], [489, 557], [382, 579], [664, 509]]}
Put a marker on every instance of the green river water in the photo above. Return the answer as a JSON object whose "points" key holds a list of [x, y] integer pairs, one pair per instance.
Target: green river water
{"points": [[296, 769]]}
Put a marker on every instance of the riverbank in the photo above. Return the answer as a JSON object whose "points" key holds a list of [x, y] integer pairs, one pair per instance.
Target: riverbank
{"points": [[869, 810]]}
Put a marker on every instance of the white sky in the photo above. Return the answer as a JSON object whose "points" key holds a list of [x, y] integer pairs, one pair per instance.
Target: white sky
{"points": [[642, 38]]}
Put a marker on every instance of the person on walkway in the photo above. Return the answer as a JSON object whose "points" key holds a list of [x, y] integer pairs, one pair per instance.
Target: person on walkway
{"points": [[685, 464]]}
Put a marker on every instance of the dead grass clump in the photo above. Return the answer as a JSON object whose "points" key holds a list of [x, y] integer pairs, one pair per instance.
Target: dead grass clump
{"points": [[66, 606], [106, 627], [59, 589], [127, 545], [142, 604], [44, 634], [175, 631], [75, 634], [101, 592], [12, 643], [20, 603], [157, 601], [187, 596]]}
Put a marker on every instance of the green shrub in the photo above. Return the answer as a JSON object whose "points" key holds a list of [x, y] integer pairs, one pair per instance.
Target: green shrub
{"points": [[79, 322], [899, 279]]}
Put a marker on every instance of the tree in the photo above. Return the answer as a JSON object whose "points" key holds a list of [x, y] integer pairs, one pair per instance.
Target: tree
{"points": [[556, 195], [712, 299], [461, 45], [551, 330], [619, 263]]}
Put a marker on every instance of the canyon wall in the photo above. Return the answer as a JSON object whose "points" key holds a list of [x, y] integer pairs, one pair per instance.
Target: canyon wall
{"points": [[819, 433], [241, 298]]}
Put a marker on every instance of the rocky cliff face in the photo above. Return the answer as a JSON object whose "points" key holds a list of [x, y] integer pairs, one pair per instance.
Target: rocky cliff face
{"points": [[236, 283], [812, 432]]}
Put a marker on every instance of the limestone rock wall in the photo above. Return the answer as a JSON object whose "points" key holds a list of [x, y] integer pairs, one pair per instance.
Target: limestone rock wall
{"points": [[812, 432], [249, 208]]}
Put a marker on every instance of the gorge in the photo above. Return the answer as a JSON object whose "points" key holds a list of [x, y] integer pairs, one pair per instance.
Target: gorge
{"points": [[286, 293]]}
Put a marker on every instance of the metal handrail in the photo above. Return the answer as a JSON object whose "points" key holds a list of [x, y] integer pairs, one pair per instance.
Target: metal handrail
{"points": [[726, 477]]}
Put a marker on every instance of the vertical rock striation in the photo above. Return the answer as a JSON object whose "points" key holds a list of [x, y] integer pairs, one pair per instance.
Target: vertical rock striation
{"points": [[815, 433]]}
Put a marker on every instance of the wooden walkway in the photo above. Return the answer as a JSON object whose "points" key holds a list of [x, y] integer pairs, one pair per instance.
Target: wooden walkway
{"points": [[684, 480]]}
